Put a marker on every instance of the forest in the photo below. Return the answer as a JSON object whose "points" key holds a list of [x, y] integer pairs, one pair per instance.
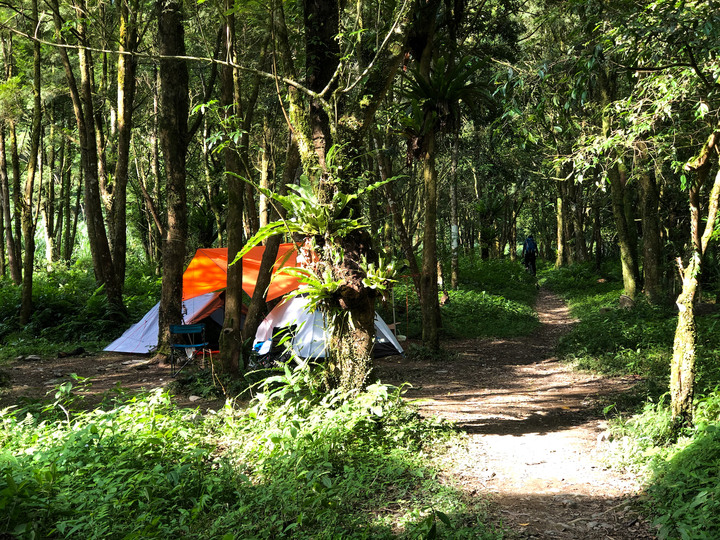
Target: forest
{"points": [[407, 149]]}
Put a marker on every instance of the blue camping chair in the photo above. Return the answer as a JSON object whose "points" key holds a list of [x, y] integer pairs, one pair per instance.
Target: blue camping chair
{"points": [[186, 340]]}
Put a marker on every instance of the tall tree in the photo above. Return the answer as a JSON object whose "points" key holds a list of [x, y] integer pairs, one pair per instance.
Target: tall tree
{"points": [[174, 139], [84, 110], [28, 219], [128, 11]]}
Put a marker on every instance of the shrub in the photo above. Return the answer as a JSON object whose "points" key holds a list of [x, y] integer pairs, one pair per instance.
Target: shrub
{"points": [[297, 464]]}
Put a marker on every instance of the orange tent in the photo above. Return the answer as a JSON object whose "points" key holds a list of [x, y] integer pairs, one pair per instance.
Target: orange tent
{"points": [[207, 272]]}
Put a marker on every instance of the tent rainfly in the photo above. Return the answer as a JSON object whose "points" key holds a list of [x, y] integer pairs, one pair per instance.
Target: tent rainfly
{"points": [[204, 281], [308, 331]]}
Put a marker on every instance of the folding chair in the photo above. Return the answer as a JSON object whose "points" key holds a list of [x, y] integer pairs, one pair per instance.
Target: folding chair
{"points": [[185, 341]]}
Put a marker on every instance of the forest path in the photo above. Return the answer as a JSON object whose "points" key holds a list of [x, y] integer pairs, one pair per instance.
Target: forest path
{"points": [[535, 436]]}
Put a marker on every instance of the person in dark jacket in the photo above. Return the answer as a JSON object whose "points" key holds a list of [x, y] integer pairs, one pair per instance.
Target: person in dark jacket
{"points": [[529, 253]]}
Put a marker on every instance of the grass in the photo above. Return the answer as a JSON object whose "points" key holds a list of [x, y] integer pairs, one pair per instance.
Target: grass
{"points": [[494, 299], [681, 474], [297, 463]]}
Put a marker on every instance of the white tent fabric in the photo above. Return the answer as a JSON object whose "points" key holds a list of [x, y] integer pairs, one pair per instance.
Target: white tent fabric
{"points": [[142, 337], [309, 334]]}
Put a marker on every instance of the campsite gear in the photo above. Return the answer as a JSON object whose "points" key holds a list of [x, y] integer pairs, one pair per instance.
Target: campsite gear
{"points": [[204, 282], [307, 332], [186, 340]]}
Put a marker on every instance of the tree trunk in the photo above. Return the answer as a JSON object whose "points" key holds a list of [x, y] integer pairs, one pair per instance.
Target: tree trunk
{"points": [[28, 221], [126, 69], [560, 221], [627, 258], [597, 232], [652, 243], [385, 167], [16, 199], [682, 368], [231, 342], [67, 236], [682, 372], [577, 212], [255, 311], [173, 135], [454, 221], [82, 100], [47, 203], [13, 259], [428, 281]]}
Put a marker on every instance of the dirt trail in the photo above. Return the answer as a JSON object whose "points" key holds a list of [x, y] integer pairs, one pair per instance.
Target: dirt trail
{"points": [[535, 438]]}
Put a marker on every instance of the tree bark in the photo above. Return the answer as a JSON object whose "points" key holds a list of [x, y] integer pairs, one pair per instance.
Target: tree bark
{"points": [[454, 220], [173, 136], [126, 69], [82, 100], [428, 282], [13, 258], [255, 311], [231, 342], [560, 227], [682, 369], [16, 199], [28, 221], [627, 252], [652, 242]]}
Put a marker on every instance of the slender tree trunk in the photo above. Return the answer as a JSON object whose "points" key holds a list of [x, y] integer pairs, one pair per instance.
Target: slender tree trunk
{"points": [[454, 221], [67, 241], [47, 204], [577, 212], [231, 342], [13, 258], [257, 303], [560, 256], [597, 235], [28, 221], [428, 282], [627, 258], [652, 243], [82, 100], [173, 135], [385, 167], [16, 198], [126, 69]]}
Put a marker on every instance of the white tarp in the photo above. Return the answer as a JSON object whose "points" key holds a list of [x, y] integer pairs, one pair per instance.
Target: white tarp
{"points": [[142, 337], [309, 334]]}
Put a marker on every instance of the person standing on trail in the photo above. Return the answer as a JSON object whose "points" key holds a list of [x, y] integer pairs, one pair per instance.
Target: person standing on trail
{"points": [[529, 253]]}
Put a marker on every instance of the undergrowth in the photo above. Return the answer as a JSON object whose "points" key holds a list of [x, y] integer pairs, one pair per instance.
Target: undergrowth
{"points": [[298, 463], [494, 299], [70, 311]]}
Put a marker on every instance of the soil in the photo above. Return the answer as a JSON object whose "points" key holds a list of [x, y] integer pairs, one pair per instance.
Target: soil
{"points": [[536, 433]]}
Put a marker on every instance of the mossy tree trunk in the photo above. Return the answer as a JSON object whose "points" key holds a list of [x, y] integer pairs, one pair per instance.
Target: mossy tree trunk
{"points": [[326, 116], [28, 220], [628, 259], [651, 240], [682, 370]]}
